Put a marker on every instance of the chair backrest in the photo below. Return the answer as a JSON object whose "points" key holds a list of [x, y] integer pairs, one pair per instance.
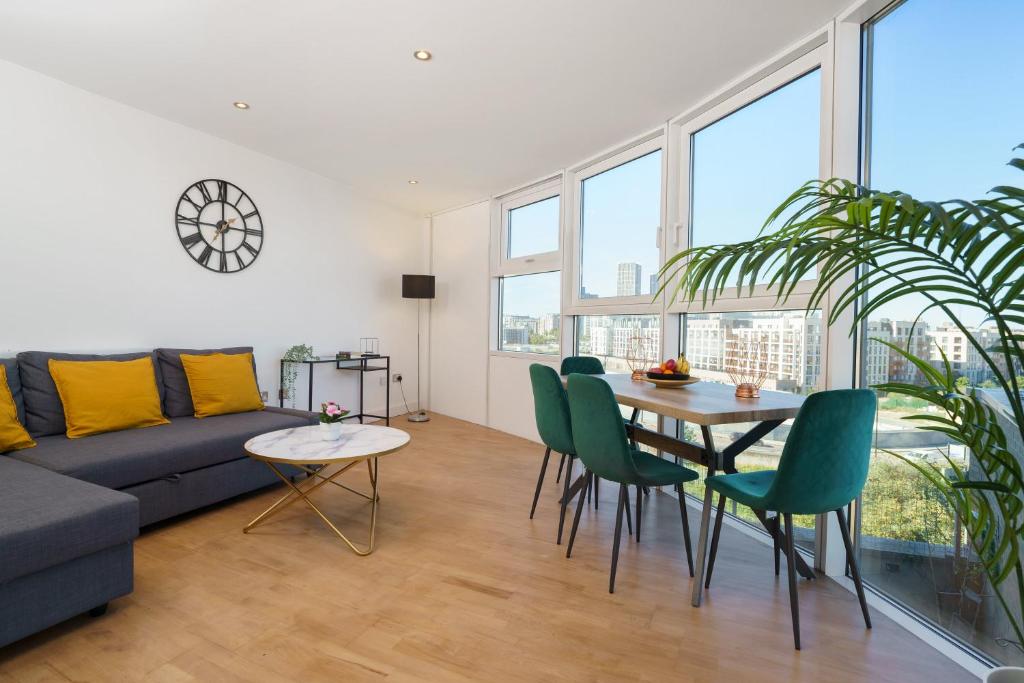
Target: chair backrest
{"points": [[824, 463], [583, 365], [551, 408], [598, 431]]}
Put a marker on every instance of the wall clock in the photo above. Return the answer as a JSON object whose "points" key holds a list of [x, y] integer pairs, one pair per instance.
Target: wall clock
{"points": [[219, 226]]}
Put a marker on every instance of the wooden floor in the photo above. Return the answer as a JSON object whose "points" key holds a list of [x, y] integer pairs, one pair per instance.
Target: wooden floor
{"points": [[463, 587]]}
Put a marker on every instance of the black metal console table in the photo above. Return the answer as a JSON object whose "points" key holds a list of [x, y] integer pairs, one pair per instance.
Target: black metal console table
{"points": [[359, 364]]}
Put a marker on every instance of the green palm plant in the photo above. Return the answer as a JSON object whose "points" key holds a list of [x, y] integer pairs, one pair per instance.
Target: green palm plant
{"points": [[872, 248]]}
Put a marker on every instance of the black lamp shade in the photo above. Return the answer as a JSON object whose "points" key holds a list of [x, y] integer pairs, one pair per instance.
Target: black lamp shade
{"points": [[417, 286]]}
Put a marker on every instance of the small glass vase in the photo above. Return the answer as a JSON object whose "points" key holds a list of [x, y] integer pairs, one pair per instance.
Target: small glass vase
{"points": [[330, 431]]}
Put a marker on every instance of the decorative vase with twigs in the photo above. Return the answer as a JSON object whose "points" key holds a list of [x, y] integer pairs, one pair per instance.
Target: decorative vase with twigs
{"points": [[640, 353], [747, 365]]}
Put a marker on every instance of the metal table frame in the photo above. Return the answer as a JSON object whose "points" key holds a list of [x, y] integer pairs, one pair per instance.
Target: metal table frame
{"points": [[362, 366]]}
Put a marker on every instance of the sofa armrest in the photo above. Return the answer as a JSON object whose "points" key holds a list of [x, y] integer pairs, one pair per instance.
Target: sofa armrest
{"points": [[312, 418]]}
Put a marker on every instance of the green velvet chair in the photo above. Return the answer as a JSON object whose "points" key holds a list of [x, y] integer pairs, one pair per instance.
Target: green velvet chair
{"points": [[602, 445], [583, 365], [823, 467], [551, 409]]}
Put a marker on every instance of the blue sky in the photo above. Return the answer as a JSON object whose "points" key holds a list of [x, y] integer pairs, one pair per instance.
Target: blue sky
{"points": [[948, 104], [948, 108]]}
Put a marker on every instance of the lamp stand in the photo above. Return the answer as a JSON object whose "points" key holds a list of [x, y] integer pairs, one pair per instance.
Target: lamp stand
{"points": [[420, 415]]}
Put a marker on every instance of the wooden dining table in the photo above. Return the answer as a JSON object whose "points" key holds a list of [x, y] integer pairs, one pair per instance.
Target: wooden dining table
{"points": [[705, 404]]}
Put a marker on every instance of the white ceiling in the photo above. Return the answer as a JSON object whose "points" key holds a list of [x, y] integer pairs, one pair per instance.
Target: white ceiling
{"points": [[515, 90]]}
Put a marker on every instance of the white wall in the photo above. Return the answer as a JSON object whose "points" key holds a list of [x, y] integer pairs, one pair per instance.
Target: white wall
{"points": [[459, 315], [90, 258], [466, 380]]}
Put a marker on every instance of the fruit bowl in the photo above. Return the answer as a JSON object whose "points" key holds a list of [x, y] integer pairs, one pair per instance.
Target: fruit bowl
{"points": [[673, 384], [667, 375]]}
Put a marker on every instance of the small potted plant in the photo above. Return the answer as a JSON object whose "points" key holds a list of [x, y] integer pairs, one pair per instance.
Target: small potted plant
{"points": [[331, 415]]}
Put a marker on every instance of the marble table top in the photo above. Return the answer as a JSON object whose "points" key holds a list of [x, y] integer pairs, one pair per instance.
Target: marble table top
{"points": [[303, 445]]}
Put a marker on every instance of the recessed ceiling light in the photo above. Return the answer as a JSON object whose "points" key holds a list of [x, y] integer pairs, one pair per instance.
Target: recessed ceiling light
{"points": [[241, 105], [422, 55], [414, 182]]}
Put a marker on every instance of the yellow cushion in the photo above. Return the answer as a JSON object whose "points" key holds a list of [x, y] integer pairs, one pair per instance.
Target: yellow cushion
{"points": [[13, 436], [221, 383], [107, 395]]}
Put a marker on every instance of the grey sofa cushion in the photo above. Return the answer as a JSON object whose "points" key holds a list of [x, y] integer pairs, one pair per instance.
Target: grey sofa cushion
{"points": [[47, 519], [44, 413], [177, 397], [14, 383], [134, 456]]}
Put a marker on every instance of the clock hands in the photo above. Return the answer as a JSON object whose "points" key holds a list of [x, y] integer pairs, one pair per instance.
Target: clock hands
{"points": [[222, 227]]}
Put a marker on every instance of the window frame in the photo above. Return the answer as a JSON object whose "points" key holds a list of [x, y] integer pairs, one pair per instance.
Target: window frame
{"points": [[652, 142], [529, 264], [500, 305], [816, 56], [502, 206]]}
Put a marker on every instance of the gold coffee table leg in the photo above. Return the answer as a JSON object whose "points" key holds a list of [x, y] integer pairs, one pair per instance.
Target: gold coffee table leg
{"points": [[297, 494]]}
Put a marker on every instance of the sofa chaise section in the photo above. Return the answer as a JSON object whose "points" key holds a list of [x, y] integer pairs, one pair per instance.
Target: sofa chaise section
{"points": [[172, 468], [65, 547]]}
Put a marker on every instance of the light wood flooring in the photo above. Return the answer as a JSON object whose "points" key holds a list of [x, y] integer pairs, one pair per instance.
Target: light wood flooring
{"points": [[463, 587]]}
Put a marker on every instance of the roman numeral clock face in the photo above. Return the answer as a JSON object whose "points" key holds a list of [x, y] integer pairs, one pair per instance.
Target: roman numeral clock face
{"points": [[219, 226]]}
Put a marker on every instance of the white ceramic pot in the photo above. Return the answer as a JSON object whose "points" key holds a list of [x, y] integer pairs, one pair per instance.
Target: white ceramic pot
{"points": [[1005, 674], [330, 431]]}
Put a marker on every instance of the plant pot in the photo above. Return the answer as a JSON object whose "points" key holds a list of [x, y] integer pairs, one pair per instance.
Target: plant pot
{"points": [[330, 431], [1005, 674]]}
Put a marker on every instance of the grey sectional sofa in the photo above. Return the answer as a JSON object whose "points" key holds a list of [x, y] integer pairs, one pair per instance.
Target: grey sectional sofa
{"points": [[70, 508]]}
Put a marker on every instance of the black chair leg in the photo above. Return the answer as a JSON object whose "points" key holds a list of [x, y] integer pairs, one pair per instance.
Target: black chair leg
{"points": [[686, 528], [561, 464], [540, 481], [623, 505], [565, 499], [851, 561], [579, 511], [714, 540], [597, 490], [629, 517], [794, 606], [776, 546], [639, 511]]}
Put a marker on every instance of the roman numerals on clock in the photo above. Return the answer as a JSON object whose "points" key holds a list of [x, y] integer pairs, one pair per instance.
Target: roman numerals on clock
{"points": [[219, 226]]}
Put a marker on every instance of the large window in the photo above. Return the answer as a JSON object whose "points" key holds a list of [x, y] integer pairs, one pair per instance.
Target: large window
{"points": [[911, 546], [739, 160], [746, 164], [616, 339], [619, 340], [620, 216], [527, 233], [530, 319], [533, 228], [787, 346]]}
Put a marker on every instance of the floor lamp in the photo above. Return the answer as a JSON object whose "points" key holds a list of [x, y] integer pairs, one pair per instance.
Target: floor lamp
{"points": [[418, 287]]}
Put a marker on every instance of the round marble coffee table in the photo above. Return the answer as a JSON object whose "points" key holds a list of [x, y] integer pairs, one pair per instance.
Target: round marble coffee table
{"points": [[303, 447]]}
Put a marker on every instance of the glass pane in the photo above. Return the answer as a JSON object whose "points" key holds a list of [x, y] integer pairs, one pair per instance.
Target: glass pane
{"points": [[785, 344], [530, 319], [533, 229], [617, 338], [621, 212], [748, 163], [911, 545]]}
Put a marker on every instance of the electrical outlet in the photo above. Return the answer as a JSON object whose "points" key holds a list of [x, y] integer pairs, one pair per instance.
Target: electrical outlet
{"points": [[264, 396], [397, 377], [382, 380]]}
